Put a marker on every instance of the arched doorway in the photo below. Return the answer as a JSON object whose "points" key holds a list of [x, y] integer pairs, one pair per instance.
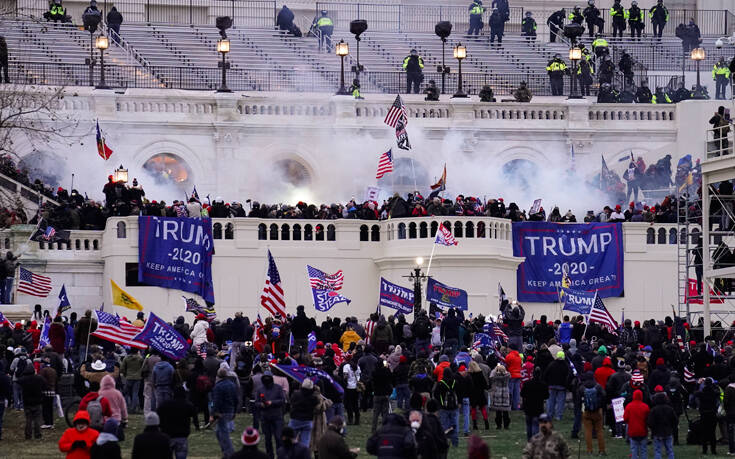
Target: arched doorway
{"points": [[169, 169], [408, 175], [522, 172]]}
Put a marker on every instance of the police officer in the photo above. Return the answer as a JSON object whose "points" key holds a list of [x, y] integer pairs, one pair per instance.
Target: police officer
{"points": [[355, 89], [626, 66], [585, 75], [497, 26], [607, 94], [576, 15], [643, 94], [431, 91], [528, 27], [634, 15], [556, 69], [721, 75], [659, 17], [618, 18], [413, 64], [661, 97], [556, 23], [486, 94], [56, 12], [682, 93], [607, 70], [600, 46], [592, 18], [326, 27], [476, 10], [522, 93]]}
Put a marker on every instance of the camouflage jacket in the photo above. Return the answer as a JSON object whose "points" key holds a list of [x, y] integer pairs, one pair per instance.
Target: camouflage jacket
{"points": [[552, 446]]}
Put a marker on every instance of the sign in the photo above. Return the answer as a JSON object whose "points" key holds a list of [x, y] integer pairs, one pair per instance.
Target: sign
{"points": [[618, 408], [445, 296], [577, 301], [162, 337], [176, 253], [591, 254], [535, 207], [395, 297], [372, 193]]}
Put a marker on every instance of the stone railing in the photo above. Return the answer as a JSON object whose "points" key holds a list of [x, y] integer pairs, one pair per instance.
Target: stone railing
{"points": [[630, 112], [17, 239]]}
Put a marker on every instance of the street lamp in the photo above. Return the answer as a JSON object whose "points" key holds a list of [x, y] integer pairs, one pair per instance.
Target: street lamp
{"points": [[342, 50], [223, 47], [460, 52], [102, 43], [698, 54], [575, 55], [357, 28], [443, 29], [417, 276], [121, 174]]}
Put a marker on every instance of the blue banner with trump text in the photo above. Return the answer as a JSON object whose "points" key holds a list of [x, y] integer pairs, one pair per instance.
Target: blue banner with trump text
{"points": [[163, 338], [445, 296], [590, 253]]}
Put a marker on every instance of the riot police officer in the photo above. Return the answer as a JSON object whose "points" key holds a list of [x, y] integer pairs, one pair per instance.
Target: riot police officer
{"points": [[325, 25], [556, 23], [592, 18], [528, 27], [618, 18], [476, 10], [556, 69], [659, 17], [413, 64]]}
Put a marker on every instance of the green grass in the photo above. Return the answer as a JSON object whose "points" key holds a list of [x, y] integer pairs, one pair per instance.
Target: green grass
{"points": [[503, 444]]}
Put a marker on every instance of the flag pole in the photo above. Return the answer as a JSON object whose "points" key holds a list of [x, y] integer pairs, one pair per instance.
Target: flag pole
{"points": [[415, 188], [89, 333], [428, 268], [594, 300]]}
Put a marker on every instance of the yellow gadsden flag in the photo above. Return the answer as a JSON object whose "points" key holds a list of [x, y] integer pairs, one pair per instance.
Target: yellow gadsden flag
{"points": [[124, 299]]}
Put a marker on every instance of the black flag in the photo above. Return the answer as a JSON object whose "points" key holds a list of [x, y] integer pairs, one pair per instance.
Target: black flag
{"points": [[402, 135]]}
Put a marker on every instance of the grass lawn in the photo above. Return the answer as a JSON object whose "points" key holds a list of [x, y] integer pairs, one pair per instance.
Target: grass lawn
{"points": [[503, 444]]}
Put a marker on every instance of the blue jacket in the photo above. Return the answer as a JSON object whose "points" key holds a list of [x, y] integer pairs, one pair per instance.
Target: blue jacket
{"points": [[163, 374], [565, 332], [224, 397]]}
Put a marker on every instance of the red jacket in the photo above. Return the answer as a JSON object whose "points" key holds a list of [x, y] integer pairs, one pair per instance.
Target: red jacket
{"points": [[604, 372], [57, 337], [71, 435], [439, 370], [636, 415], [106, 410], [513, 361]]}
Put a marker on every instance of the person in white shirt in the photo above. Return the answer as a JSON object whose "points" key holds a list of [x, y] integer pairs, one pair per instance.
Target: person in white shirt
{"points": [[617, 216], [351, 374]]}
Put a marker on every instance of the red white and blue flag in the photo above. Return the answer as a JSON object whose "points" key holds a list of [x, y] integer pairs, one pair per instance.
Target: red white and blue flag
{"points": [[385, 164], [272, 297], [33, 284], [112, 328], [320, 280], [444, 236], [601, 315], [102, 149]]}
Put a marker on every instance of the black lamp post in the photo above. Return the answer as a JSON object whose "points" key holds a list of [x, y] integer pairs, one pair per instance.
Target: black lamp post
{"points": [[443, 29], [357, 27], [342, 49], [417, 277], [575, 55], [91, 60], [460, 52], [698, 55], [102, 43], [223, 47]]}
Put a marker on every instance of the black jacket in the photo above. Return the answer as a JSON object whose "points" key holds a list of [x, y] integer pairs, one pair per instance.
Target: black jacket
{"points": [[661, 419], [249, 452], [176, 416], [107, 450], [557, 373], [151, 443], [114, 17], [303, 402], [394, 440], [534, 393], [382, 381], [33, 387], [301, 326], [293, 451]]}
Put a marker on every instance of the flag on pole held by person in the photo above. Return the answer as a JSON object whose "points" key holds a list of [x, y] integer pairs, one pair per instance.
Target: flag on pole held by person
{"points": [[259, 339], [33, 284], [688, 375], [402, 136], [272, 297], [312, 342], [194, 193], [122, 298], [163, 338], [444, 236], [441, 184], [320, 280], [112, 328], [502, 297], [325, 299], [3, 319], [385, 164], [44, 341], [50, 234], [194, 307], [299, 374], [64, 303], [396, 112], [601, 315], [102, 149]]}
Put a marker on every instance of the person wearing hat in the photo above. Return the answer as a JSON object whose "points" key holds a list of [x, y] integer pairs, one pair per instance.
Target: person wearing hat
{"points": [[413, 64], [250, 439], [77, 441], [175, 417], [556, 69], [303, 402], [528, 27], [556, 376], [708, 399], [394, 439], [107, 445], [151, 443], [199, 332], [325, 26], [533, 393], [636, 417], [547, 443], [497, 26], [270, 399]]}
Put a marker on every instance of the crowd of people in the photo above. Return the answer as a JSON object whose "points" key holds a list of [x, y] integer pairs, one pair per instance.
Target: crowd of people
{"points": [[425, 383]]}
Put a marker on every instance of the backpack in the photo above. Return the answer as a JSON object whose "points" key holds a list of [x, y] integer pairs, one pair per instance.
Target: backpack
{"points": [[449, 401], [96, 418], [203, 384], [407, 331], [20, 368], [591, 399]]}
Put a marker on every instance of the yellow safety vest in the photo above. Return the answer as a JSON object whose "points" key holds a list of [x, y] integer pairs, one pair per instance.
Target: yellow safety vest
{"points": [[717, 70], [556, 67], [324, 21], [599, 42], [477, 9], [633, 18]]}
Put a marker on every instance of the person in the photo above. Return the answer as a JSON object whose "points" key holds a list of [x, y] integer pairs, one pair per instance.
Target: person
{"points": [[116, 401], [6, 394], [576, 16], [250, 438], [270, 400], [224, 401], [500, 399], [478, 398], [643, 94], [284, 20], [476, 10], [114, 21], [146, 372], [163, 381], [486, 94], [659, 17], [600, 46], [50, 378], [682, 93], [634, 15], [556, 68], [592, 18], [533, 394], [107, 445], [708, 399], [636, 416], [593, 398], [175, 417], [528, 27], [33, 386], [355, 89], [77, 441], [291, 447], [303, 402], [445, 392], [618, 18], [690, 37], [547, 443], [497, 26], [556, 376], [9, 265], [626, 66], [660, 97], [631, 177], [325, 25], [556, 23], [607, 70], [413, 64], [394, 439], [56, 13], [431, 91], [332, 444], [151, 443], [721, 75], [382, 389], [130, 370], [585, 72], [4, 59]]}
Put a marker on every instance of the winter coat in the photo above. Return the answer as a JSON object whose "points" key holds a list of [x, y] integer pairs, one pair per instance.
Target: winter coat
{"points": [[382, 334], [151, 444], [224, 397], [534, 393], [249, 452], [513, 362], [105, 447], [394, 439], [478, 397], [199, 333], [33, 387], [273, 394], [347, 338], [557, 373], [57, 337], [319, 424], [118, 407], [659, 377], [303, 403], [176, 416], [132, 366], [499, 392], [332, 445], [636, 416], [661, 419], [72, 435]]}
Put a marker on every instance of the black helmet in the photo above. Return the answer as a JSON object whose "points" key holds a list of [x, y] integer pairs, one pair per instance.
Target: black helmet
{"points": [[324, 12]]}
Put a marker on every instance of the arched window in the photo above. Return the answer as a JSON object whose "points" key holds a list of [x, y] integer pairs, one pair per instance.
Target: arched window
{"points": [[86, 244], [650, 236], [95, 244], [694, 236], [169, 169], [661, 236], [320, 232], [401, 231], [229, 231], [297, 232], [434, 227], [470, 230], [77, 244], [683, 236], [285, 235], [217, 231], [331, 233], [375, 233], [481, 229], [274, 232], [423, 230], [122, 232], [412, 230], [363, 233], [672, 236], [458, 229], [308, 233], [262, 232]]}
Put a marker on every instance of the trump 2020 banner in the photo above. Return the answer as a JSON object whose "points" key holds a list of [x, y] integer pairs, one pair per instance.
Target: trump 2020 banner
{"points": [[578, 301], [163, 338], [176, 253], [396, 297], [445, 296], [590, 253]]}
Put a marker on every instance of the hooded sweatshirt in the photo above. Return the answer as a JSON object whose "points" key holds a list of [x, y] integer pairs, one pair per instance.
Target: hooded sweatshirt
{"points": [[636, 416], [118, 407], [71, 435]]}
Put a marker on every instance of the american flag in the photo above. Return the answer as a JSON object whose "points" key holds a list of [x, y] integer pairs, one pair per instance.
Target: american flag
{"points": [[385, 164], [500, 333], [259, 339], [272, 296], [688, 375], [680, 343], [323, 281], [49, 233], [369, 327], [601, 315], [111, 328], [3, 319], [193, 306], [33, 284], [444, 236], [396, 112]]}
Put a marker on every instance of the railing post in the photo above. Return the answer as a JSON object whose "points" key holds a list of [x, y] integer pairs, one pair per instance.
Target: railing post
{"points": [[147, 10], [191, 13], [400, 9], [724, 13]]}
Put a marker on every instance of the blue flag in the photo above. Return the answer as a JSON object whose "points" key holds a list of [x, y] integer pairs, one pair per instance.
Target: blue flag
{"points": [[312, 342], [445, 296], [44, 341], [482, 340], [325, 299], [315, 374], [577, 301], [395, 297], [63, 301], [163, 338]]}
